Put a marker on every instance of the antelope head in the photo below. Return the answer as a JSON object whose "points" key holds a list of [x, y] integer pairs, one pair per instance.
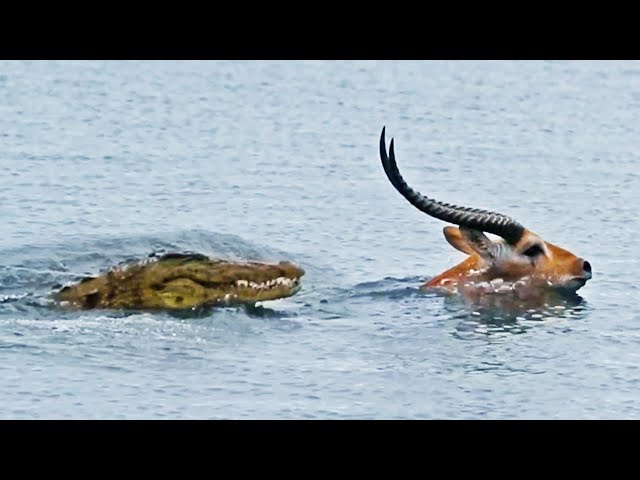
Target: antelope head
{"points": [[519, 259]]}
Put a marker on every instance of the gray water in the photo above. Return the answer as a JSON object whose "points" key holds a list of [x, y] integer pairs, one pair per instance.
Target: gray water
{"points": [[107, 161]]}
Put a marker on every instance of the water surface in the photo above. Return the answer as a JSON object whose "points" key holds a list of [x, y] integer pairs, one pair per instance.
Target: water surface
{"points": [[107, 161]]}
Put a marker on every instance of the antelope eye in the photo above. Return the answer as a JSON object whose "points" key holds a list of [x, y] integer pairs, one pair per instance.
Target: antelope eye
{"points": [[533, 251]]}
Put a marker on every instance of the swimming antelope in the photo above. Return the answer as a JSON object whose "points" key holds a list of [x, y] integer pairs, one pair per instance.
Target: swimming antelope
{"points": [[520, 261]]}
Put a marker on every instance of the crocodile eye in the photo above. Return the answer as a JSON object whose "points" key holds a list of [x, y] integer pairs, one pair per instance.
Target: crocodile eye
{"points": [[533, 251]]}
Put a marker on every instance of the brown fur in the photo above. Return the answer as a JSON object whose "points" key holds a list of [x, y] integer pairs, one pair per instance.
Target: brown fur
{"points": [[555, 267]]}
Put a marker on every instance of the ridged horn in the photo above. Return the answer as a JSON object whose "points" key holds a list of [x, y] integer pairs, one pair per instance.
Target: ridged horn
{"points": [[474, 218]]}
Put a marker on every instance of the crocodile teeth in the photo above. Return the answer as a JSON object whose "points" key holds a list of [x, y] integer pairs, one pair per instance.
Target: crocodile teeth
{"points": [[268, 284]]}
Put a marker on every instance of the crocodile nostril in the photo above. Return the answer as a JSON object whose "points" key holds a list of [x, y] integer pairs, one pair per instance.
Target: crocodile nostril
{"points": [[586, 266]]}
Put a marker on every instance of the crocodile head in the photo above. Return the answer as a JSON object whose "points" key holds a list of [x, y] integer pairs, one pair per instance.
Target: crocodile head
{"points": [[182, 281]]}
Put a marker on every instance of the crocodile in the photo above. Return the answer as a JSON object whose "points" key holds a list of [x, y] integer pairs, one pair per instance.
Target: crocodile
{"points": [[177, 281]]}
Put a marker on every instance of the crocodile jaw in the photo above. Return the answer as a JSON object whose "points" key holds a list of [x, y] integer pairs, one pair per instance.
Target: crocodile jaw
{"points": [[248, 291], [184, 282], [185, 293]]}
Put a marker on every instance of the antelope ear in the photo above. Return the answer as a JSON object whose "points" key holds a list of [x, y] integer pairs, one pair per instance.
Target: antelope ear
{"points": [[479, 243], [455, 239]]}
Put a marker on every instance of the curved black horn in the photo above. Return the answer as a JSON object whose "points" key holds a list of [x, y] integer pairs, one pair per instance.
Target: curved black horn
{"points": [[475, 218]]}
